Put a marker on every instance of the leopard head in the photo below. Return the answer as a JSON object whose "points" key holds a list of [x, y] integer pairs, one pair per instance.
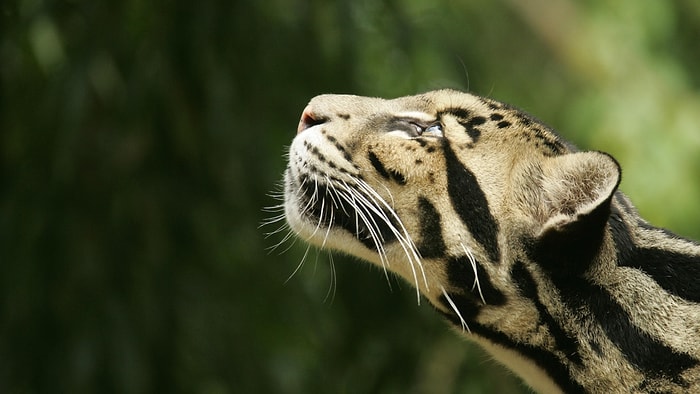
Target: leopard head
{"points": [[451, 191]]}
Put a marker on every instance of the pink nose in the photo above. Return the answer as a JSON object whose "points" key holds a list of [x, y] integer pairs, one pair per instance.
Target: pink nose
{"points": [[309, 119]]}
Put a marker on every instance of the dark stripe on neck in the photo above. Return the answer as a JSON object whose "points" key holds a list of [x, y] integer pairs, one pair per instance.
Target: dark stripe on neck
{"points": [[642, 350], [675, 272], [470, 204], [545, 360], [565, 343]]}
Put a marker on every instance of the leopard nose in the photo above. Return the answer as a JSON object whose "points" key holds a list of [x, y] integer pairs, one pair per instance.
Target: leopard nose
{"points": [[309, 119]]}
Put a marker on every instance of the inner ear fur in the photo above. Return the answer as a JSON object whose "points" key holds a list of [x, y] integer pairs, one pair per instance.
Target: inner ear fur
{"points": [[575, 193], [575, 185]]}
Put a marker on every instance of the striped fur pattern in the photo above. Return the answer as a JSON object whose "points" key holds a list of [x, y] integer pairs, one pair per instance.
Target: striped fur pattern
{"points": [[516, 237]]}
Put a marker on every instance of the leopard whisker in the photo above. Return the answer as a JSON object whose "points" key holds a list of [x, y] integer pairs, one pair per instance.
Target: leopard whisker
{"points": [[334, 280], [272, 220], [465, 326], [472, 261], [361, 208], [404, 238], [301, 264], [290, 235]]}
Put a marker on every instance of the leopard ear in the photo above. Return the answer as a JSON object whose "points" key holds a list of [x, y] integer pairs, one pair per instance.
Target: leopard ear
{"points": [[575, 197], [575, 186]]}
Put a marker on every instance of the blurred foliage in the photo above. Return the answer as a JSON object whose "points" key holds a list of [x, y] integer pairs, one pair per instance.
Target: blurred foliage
{"points": [[141, 140]]}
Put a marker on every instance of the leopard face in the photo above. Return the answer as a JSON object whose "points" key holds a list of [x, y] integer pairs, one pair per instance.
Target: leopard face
{"points": [[445, 188]]}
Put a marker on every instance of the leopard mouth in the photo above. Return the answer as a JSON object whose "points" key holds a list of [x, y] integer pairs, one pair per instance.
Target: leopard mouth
{"points": [[331, 206]]}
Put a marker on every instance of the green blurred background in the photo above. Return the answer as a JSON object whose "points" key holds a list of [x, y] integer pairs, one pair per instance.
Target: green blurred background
{"points": [[140, 141]]}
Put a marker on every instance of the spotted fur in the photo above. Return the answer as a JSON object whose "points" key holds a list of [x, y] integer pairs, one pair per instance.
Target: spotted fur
{"points": [[515, 236]]}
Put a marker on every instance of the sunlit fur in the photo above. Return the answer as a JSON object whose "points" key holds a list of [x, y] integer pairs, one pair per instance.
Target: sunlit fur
{"points": [[515, 236]]}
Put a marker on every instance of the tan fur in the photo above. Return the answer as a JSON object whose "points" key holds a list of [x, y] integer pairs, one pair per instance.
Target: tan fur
{"points": [[535, 185]]}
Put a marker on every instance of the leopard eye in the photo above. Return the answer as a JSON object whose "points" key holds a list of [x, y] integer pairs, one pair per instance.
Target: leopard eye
{"points": [[435, 130], [417, 129]]}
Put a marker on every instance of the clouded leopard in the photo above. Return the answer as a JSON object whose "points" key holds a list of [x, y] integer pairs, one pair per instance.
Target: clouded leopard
{"points": [[519, 239]]}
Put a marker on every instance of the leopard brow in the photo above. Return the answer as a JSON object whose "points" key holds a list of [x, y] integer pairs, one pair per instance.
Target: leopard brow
{"points": [[416, 115]]}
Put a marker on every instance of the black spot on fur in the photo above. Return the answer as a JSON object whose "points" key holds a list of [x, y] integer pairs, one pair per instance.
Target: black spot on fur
{"points": [[503, 124], [431, 243], [398, 177], [549, 140], [470, 204], [469, 123], [378, 166], [474, 133], [344, 116], [476, 121], [496, 117], [548, 137], [493, 105], [457, 112], [339, 147], [470, 127], [387, 174]]}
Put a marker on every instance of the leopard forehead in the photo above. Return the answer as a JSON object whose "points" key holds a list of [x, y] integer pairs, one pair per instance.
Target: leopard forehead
{"points": [[498, 122]]}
